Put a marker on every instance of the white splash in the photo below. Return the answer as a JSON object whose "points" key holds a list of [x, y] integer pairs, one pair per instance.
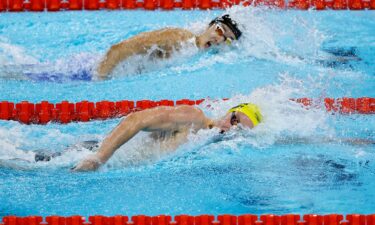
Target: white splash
{"points": [[283, 118], [11, 54]]}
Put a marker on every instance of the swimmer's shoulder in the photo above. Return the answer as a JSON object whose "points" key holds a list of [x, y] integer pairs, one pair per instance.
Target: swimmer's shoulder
{"points": [[188, 109], [163, 37], [178, 116], [193, 109], [173, 33], [168, 110], [180, 32], [192, 112]]}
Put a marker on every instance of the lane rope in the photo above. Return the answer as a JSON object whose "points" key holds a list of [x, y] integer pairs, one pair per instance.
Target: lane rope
{"points": [[84, 111], [247, 219], [58, 5]]}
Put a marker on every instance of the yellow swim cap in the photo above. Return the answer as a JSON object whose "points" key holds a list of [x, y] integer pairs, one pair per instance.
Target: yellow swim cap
{"points": [[250, 110]]}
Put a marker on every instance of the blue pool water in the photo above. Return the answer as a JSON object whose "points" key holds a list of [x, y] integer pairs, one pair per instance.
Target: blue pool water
{"points": [[285, 165]]}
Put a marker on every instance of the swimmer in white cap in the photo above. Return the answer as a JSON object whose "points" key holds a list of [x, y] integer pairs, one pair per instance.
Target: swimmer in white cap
{"points": [[162, 42]]}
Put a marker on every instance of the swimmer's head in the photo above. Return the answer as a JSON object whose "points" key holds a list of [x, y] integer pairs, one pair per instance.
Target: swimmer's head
{"points": [[220, 30], [246, 114], [228, 23]]}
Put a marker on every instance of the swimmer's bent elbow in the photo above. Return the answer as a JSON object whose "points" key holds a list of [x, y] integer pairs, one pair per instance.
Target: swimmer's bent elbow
{"points": [[110, 60]]}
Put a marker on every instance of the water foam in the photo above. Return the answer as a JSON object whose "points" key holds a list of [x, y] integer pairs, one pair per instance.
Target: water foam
{"points": [[19, 143], [265, 37], [11, 54]]}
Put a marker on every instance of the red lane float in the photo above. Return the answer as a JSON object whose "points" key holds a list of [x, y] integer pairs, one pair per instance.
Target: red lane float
{"points": [[318, 4], [149, 4], [37, 5], [299, 4], [128, 4], [53, 5], [43, 112], [355, 4], [167, 4], [84, 111], [188, 4], [112, 4], [91, 4], [338, 4], [104, 220], [356, 219], [248, 219], [15, 5], [55, 220], [312, 219], [6, 110], [75, 4], [24, 112], [3, 5]]}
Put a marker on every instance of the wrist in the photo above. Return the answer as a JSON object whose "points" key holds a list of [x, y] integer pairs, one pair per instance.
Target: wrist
{"points": [[101, 158], [95, 158]]}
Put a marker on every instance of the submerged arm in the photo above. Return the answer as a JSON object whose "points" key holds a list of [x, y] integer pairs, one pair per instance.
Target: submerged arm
{"points": [[116, 54], [164, 41]]}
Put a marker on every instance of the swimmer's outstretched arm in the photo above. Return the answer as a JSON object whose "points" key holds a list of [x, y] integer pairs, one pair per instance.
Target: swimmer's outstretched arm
{"points": [[156, 119], [124, 131]]}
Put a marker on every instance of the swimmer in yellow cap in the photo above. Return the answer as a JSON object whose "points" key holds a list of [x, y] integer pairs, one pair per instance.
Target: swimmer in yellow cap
{"points": [[170, 126]]}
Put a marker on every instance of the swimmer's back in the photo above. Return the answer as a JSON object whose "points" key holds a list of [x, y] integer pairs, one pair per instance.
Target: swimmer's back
{"points": [[166, 38], [160, 43]]}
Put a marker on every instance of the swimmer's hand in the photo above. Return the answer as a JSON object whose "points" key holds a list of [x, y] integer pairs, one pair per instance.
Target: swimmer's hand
{"points": [[89, 164]]}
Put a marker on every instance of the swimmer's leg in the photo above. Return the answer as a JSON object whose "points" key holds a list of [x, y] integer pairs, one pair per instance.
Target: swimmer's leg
{"points": [[13, 72], [339, 57], [350, 53], [56, 76]]}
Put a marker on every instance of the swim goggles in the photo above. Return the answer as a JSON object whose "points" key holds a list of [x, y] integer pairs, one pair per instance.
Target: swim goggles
{"points": [[220, 31], [233, 119]]}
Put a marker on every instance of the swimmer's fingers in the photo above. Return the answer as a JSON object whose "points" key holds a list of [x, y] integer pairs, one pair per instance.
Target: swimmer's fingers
{"points": [[89, 164], [85, 166]]}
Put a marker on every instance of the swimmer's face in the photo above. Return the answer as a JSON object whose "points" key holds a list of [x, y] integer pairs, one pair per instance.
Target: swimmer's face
{"points": [[233, 119], [216, 34]]}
